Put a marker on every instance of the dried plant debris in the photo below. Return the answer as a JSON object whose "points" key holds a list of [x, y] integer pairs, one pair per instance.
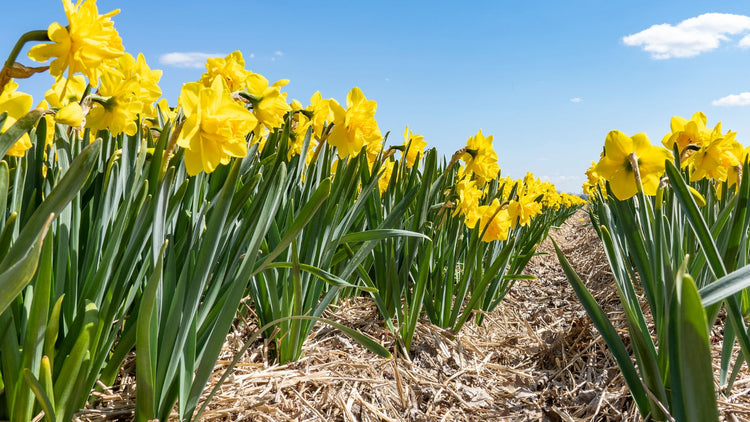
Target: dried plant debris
{"points": [[537, 357]]}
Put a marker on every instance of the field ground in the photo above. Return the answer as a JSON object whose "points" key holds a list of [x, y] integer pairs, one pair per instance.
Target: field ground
{"points": [[537, 357]]}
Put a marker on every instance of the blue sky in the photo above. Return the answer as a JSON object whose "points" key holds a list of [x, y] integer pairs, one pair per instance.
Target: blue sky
{"points": [[548, 79]]}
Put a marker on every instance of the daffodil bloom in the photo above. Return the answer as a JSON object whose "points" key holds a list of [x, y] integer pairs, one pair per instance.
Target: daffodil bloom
{"points": [[322, 114], [593, 181], [373, 149], [231, 69], [714, 160], [523, 209], [467, 204], [734, 172], [117, 106], [147, 79], [215, 126], [50, 123], [73, 88], [385, 177], [16, 104], [86, 45], [496, 220], [354, 127], [620, 152], [688, 136], [480, 159], [71, 115], [300, 125], [415, 150], [166, 111], [271, 106]]}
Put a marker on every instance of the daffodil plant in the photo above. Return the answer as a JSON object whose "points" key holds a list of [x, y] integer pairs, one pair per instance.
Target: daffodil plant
{"points": [[681, 240]]}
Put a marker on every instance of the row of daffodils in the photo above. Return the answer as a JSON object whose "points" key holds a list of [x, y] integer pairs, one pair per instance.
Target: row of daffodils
{"points": [[128, 224], [674, 223]]}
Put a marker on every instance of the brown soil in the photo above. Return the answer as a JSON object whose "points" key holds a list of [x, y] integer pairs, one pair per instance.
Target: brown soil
{"points": [[537, 357]]}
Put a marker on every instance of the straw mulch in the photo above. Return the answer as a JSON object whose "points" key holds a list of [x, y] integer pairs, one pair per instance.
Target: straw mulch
{"points": [[537, 357]]}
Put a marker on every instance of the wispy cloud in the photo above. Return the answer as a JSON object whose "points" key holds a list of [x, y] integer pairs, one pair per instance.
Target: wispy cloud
{"points": [[191, 59], [744, 42], [276, 55], [576, 100], [734, 100], [690, 37]]}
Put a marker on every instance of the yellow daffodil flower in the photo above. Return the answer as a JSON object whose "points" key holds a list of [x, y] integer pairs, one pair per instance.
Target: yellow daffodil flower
{"points": [[118, 105], [688, 136], [467, 204], [354, 127], [496, 220], [50, 123], [147, 79], [619, 152], [322, 114], [521, 211], [64, 91], [385, 177], [480, 159], [271, 105], [300, 125], [215, 126], [416, 149], [714, 160], [166, 111], [593, 181], [71, 115], [86, 45], [231, 69], [16, 104]]}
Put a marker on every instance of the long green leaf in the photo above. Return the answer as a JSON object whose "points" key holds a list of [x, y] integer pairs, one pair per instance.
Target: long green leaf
{"points": [[19, 128], [378, 234], [695, 399], [18, 274], [38, 223], [38, 389], [329, 278], [726, 286], [146, 337], [608, 332]]}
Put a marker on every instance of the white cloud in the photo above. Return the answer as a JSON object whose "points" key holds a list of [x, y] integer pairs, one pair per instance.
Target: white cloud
{"points": [[691, 36], [192, 59], [745, 42], [576, 100], [734, 100], [278, 53]]}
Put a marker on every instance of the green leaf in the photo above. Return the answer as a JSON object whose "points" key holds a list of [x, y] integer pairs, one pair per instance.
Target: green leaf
{"points": [[695, 399], [303, 217], [608, 332], [329, 278], [19, 128], [378, 234], [726, 286], [146, 337], [29, 237], [41, 394], [18, 274], [696, 220], [4, 185]]}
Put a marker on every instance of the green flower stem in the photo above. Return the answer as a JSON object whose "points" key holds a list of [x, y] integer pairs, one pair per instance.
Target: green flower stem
{"points": [[37, 35]]}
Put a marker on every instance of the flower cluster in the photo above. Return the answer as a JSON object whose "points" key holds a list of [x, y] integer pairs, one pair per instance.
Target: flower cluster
{"points": [[516, 203], [633, 163], [99, 86]]}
